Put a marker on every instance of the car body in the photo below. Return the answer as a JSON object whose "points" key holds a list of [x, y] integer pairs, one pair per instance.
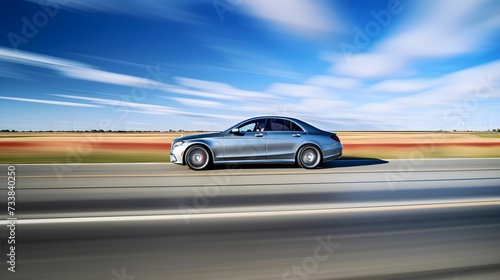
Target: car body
{"points": [[264, 139]]}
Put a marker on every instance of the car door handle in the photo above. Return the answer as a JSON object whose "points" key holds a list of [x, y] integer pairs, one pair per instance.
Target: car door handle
{"points": [[259, 135], [296, 135]]}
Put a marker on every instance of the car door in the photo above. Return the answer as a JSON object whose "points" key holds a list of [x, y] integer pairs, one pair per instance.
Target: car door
{"points": [[284, 138], [248, 144]]}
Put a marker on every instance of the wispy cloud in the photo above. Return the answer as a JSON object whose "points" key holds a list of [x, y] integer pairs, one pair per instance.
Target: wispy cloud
{"points": [[222, 90], [50, 102], [36, 59], [317, 98], [450, 28], [297, 90], [370, 65], [175, 10], [9, 70], [74, 69], [459, 92], [404, 85], [143, 108], [434, 29], [199, 102], [81, 71], [300, 17], [95, 75], [334, 82], [123, 104]]}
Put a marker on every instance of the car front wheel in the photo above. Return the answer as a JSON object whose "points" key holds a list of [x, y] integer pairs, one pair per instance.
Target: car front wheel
{"points": [[309, 157], [197, 157]]}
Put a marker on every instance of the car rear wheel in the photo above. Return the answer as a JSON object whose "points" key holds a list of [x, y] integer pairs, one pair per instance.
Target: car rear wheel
{"points": [[309, 157], [197, 157]]}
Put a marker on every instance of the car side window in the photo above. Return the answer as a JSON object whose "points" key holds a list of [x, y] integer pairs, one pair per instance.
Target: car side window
{"points": [[255, 125], [276, 125], [261, 125], [247, 127], [283, 125], [295, 127]]}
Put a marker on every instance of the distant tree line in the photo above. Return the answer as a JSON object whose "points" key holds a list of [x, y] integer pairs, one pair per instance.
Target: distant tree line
{"points": [[159, 131]]}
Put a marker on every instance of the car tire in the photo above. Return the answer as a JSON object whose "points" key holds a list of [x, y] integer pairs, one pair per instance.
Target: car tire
{"points": [[309, 157], [197, 157]]}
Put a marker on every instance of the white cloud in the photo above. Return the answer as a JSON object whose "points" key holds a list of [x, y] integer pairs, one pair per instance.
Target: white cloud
{"points": [[142, 108], [106, 77], [74, 69], [403, 86], [458, 94], [50, 102], [450, 28], [199, 103], [302, 17], [200, 93], [36, 59], [77, 70], [334, 82], [222, 90], [369, 65], [316, 99], [187, 86], [433, 30], [119, 103], [297, 90]]}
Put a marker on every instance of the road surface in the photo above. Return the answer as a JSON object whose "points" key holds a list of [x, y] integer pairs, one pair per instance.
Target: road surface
{"points": [[351, 219]]}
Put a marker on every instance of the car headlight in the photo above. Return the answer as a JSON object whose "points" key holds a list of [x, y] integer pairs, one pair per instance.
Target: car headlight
{"points": [[177, 144]]}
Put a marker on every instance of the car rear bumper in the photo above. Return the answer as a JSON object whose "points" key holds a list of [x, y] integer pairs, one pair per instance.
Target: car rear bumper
{"points": [[332, 152]]}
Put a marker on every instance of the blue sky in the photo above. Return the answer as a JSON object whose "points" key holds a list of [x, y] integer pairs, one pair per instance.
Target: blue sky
{"points": [[204, 64]]}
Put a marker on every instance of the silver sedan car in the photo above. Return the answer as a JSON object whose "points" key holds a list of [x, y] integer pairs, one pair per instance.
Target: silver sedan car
{"points": [[267, 139]]}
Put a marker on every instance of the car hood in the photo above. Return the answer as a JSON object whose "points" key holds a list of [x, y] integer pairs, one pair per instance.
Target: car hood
{"points": [[198, 136]]}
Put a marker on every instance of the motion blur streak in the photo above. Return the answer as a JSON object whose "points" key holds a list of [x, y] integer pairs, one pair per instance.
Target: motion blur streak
{"points": [[253, 214], [439, 219]]}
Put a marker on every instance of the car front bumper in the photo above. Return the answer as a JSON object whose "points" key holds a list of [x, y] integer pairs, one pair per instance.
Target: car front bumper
{"points": [[177, 154]]}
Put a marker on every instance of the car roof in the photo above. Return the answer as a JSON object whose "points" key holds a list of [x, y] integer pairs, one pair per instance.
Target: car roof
{"points": [[274, 117], [304, 125]]}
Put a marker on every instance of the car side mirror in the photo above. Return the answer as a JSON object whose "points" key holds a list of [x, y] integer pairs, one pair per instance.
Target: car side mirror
{"points": [[235, 130]]}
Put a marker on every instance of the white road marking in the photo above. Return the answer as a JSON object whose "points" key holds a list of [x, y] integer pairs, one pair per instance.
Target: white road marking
{"points": [[227, 172], [255, 214]]}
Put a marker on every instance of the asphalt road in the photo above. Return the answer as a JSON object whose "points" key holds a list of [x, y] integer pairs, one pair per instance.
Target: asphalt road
{"points": [[351, 219]]}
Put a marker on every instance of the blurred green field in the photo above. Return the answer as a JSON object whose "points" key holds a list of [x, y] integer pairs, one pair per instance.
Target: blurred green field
{"points": [[74, 148], [489, 135], [91, 158]]}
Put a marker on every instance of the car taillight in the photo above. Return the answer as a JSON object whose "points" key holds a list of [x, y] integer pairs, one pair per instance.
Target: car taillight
{"points": [[335, 137]]}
